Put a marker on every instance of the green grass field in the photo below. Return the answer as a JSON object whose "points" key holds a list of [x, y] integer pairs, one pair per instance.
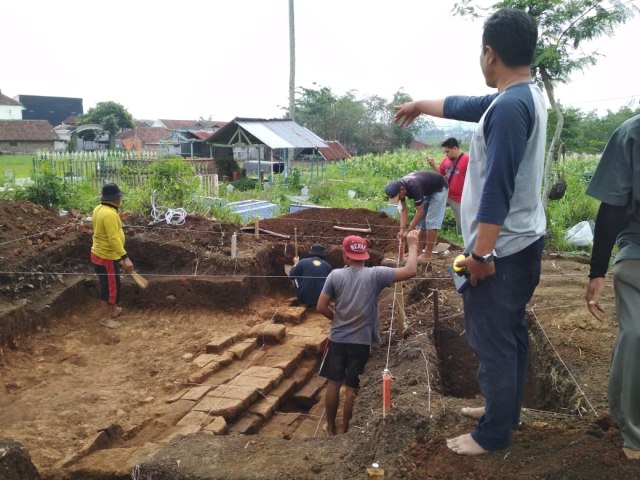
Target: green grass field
{"points": [[16, 166]]}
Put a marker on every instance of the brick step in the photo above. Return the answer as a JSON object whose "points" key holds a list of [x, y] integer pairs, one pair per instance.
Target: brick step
{"points": [[244, 378]]}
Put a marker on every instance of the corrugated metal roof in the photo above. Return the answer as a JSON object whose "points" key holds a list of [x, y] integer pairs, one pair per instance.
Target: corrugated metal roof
{"points": [[275, 133], [335, 151]]}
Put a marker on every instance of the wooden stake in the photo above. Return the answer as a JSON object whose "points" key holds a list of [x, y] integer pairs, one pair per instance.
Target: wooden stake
{"points": [[352, 229], [256, 225], [436, 312], [295, 242]]}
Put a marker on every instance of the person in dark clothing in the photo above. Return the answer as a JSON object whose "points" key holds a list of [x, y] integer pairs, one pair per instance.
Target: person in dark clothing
{"points": [[309, 275], [428, 190]]}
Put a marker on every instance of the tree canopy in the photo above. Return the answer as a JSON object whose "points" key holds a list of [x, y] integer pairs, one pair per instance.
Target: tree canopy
{"points": [[564, 26], [361, 125], [112, 116]]}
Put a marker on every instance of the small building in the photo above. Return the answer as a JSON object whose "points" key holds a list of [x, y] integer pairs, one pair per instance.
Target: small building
{"points": [[159, 139], [10, 109], [273, 141], [190, 135], [26, 136], [52, 109]]}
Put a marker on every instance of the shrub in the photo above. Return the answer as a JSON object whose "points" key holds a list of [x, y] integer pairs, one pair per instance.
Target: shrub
{"points": [[174, 179]]}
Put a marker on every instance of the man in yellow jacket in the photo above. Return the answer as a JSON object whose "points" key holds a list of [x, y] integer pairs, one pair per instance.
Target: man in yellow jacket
{"points": [[108, 253]]}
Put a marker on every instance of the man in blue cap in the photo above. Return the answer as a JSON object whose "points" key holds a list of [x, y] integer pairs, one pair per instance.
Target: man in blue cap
{"points": [[428, 190], [108, 253]]}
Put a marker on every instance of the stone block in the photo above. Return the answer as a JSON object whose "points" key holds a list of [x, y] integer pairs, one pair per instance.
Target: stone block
{"points": [[265, 406], [196, 393], [284, 390], [247, 424], [229, 408], [264, 372], [305, 371], [204, 359], [242, 349], [268, 332], [220, 343], [257, 384], [282, 362], [307, 395], [246, 394], [218, 426], [196, 420], [204, 373], [293, 315]]}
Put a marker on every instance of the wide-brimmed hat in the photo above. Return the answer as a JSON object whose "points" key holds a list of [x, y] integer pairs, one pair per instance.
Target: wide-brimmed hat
{"points": [[355, 248], [317, 250], [393, 191], [111, 191]]}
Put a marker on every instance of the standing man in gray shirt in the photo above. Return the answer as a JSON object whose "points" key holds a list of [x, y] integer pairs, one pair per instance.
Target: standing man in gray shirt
{"points": [[616, 184], [503, 220], [354, 321]]}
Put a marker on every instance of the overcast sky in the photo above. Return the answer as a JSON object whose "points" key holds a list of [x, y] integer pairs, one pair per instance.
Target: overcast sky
{"points": [[222, 59]]}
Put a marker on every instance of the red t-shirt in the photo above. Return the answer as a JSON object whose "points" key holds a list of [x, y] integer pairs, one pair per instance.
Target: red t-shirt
{"points": [[457, 180]]}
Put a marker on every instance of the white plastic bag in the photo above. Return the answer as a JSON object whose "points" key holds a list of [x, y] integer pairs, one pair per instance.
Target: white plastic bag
{"points": [[580, 235]]}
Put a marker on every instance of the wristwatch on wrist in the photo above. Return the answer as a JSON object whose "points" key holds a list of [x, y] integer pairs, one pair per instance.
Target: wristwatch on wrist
{"points": [[486, 259]]}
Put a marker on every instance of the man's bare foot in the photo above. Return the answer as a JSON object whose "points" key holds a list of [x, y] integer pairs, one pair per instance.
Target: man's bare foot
{"points": [[116, 311], [465, 445], [425, 258], [472, 412], [110, 323], [631, 454]]}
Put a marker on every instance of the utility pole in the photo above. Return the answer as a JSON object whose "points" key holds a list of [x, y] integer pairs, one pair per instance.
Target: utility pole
{"points": [[292, 63]]}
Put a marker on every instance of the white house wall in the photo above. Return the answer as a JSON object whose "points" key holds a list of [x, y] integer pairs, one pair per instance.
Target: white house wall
{"points": [[11, 112]]}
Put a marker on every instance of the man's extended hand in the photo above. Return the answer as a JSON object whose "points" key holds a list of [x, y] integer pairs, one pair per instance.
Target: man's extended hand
{"points": [[406, 114], [594, 291]]}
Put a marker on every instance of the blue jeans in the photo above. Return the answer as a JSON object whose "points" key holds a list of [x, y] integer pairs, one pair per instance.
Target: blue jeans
{"points": [[496, 328]]}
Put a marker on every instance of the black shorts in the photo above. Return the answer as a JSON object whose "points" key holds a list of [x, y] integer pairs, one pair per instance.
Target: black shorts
{"points": [[345, 362]]}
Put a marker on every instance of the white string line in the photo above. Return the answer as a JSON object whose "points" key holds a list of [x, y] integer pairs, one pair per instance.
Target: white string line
{"points": [[191, 275], [426, 362], [393, 309], [562, 361]]}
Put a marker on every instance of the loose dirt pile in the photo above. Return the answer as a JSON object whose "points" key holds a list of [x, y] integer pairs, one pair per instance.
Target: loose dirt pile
{"points": [[92, 403]]}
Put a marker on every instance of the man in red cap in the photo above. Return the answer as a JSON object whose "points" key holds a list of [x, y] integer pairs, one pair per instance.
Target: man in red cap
{"points": [[354, 320]]}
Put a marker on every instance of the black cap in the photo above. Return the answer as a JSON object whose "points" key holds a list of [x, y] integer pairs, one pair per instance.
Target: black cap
{"points": [[317, 250], [111, 191]]}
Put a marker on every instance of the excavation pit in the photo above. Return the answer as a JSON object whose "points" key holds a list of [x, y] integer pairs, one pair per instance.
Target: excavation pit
{"points": [[216, 346]]}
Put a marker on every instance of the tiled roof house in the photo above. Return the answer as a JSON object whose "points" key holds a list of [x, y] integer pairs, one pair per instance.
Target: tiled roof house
{"points": [[26, 136]]}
